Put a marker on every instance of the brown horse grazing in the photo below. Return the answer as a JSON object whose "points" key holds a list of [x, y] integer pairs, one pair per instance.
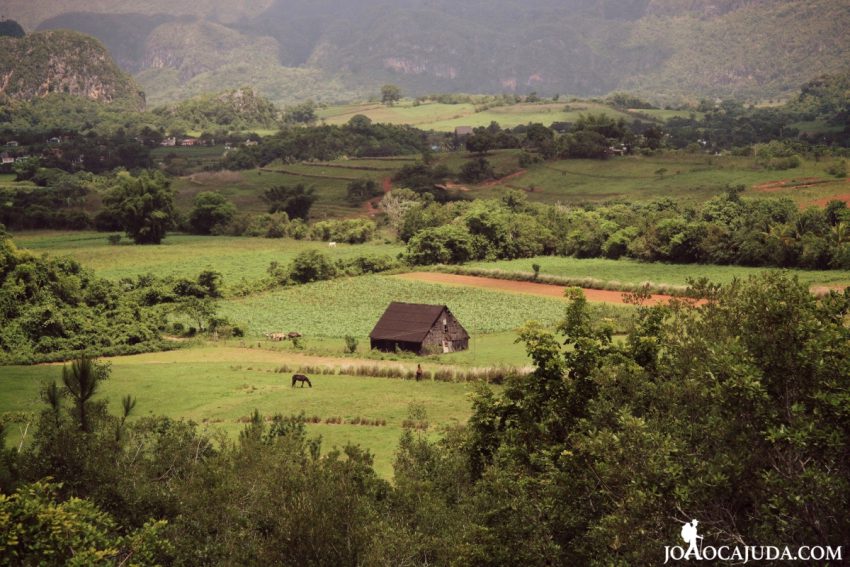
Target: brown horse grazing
{"points": [[300, 378]]}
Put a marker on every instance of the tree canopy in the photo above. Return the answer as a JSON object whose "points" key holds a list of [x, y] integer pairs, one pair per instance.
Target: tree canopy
{"points": [[143, 204]]}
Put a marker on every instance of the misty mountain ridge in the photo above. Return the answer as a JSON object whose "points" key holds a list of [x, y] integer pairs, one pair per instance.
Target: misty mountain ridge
{"points": [[295, 49]]}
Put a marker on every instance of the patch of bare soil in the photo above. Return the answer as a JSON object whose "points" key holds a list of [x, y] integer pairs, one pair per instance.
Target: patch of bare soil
{"points": [[531, 288]]}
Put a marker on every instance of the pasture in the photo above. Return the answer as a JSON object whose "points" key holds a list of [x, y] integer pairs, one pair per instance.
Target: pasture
{"points": [[219, 388], [352, 306], [236, 258], [689, 178], [634, 272], [485, 350], [245, 189], [446, 117], [681, 176]]}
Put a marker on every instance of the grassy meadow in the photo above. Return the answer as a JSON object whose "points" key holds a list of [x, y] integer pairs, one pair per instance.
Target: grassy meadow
{"points": [[632, 271], [681, 176], [220, 387], [676, 175], [245, 189], [236, 258], [446, 117]]}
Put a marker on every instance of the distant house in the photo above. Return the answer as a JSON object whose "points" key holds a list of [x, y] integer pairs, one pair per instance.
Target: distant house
{"points": [[419, 328], [6, 159], [617, 150], [54, 140], [463, 131], [188, 142], [168, 142], [12, 144], [250, 143]]}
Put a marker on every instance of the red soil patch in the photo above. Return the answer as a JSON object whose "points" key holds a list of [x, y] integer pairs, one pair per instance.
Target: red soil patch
{"points": [[801, 183], [531, 288], [370, 207], [823, 202]]}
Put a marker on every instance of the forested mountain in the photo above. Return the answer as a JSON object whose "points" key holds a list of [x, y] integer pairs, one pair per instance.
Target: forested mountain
{"points": [[63, 62], [289, 49]]}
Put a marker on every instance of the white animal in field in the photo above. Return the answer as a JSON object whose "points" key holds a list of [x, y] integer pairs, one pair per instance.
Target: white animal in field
{"points": [[331, 244]]}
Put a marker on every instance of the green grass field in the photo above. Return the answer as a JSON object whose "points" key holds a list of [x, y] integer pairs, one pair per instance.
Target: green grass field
{"points": [[680, 176], [689, 178], [8, 180], [245, 189], [485, 350], [236, 258], [216, 387], [446, 117], [632, 271], [352, 306]]}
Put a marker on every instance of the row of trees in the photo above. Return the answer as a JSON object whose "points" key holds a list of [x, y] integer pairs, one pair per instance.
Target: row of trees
{"points": [[723, 230], [358, 138], [596, 458]]}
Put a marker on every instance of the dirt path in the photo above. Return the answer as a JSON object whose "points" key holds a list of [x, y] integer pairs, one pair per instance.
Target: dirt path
{"points": [[531, 288], [502, 180]]}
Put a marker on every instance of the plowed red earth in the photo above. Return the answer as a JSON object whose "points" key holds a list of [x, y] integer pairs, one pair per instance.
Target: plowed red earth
{"points": [[531, 288]]}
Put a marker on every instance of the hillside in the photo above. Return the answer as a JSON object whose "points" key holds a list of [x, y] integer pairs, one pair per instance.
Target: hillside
{"points": [[63, 62], [239, 109], [296, 49]]}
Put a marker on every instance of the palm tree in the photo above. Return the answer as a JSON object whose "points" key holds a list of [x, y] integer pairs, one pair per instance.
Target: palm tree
{"points": [[81, 381]]}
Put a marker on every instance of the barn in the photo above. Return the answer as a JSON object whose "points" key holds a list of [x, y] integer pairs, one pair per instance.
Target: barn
{"points": [[419, 328]]}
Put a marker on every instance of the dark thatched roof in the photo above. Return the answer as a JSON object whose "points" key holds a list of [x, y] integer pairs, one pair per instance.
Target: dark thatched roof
{"points": [[407, 322]]}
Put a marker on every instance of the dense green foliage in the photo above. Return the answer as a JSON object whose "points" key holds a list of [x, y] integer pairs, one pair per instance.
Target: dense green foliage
{"points": [[210, 211], [329, 142], [143, 205], [235, 110], [58, 205], [60, 114], [53, 307], [295, 200], [723, 230], [39, 528]]}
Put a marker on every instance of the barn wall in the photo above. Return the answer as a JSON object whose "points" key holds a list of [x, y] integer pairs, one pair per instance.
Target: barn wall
{"points": [[455, 335], [390, 346]]}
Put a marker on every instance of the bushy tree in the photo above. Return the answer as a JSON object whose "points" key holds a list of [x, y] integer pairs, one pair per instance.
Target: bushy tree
{"points": [[450, 244], [39, 528], [390, 94], [476, 171], [304, 113], [311, 266], [144, 205], [362, 190], [696, 415], [210, 210], [294, 200]]}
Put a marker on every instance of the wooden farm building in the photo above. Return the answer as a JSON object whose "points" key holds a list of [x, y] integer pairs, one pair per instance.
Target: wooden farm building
{"points": [[419, 328]]}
